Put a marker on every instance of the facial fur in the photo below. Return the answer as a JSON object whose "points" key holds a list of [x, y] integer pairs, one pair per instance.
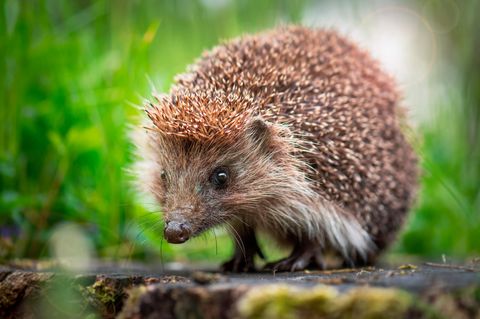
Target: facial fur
{"points": [[183, 180]]}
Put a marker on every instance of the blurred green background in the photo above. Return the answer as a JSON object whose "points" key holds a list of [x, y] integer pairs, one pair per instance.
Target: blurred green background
{"points": [[73, 71]]}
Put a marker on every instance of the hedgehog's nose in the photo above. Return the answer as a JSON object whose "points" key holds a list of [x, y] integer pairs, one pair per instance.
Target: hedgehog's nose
{"points": [[177, 232]]}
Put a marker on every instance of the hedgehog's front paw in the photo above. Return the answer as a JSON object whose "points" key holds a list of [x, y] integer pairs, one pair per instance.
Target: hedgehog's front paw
{"points": [[239, 263], [302, 257], [246, 249], [243, 259]]}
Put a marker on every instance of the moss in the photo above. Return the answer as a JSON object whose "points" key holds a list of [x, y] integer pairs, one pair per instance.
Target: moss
{"points": [[105, 295], [367, 302], [102, 292], [282, 301], [287, 302]]}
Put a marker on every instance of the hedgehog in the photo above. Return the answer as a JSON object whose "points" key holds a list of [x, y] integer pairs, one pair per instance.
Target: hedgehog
{"points": [[294, 132]]}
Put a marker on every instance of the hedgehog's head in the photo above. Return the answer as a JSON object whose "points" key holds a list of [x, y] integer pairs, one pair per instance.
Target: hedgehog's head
{"points": [[206, 173]]}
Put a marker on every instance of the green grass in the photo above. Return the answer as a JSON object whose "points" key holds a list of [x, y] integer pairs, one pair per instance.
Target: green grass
{"points": [[71, 73]]}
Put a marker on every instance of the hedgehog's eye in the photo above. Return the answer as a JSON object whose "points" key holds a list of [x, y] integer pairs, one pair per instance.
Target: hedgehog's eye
{"points": [[163, 175], [219, 177]]}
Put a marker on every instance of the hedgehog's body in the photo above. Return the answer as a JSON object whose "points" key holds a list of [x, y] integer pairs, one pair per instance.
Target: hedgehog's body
{"points": [[294, 132]]}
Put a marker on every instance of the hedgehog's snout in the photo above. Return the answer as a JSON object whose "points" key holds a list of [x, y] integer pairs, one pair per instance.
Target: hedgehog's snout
{"points": [[177, 232]]}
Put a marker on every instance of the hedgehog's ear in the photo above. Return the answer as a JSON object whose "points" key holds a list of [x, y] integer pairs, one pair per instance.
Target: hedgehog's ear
{"points": [[260, 133]]}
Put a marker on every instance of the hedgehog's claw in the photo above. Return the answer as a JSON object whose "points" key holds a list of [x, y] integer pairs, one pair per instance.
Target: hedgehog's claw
{"points": [[243, 259], [302, 257], [239, 263]]}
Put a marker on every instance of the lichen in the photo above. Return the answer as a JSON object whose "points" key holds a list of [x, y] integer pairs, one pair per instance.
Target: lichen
{"points": [[287, 302], [19, 285], [205, 278], [407, 267]]}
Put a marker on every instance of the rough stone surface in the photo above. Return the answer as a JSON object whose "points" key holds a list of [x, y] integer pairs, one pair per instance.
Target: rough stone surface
{"points": [[426, 290]]}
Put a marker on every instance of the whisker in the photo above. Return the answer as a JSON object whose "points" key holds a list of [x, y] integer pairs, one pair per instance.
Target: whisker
{"points": [[152, 227], [238, 239], [240, 220], [216, 243], [162, 266], [205, 238]]}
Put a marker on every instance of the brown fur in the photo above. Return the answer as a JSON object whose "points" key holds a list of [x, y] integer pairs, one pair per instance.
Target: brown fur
{"points": [[308, 125]]}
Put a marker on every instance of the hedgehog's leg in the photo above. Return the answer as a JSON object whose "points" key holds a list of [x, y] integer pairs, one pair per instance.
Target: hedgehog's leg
{"points": [[246, 247], [357, 260], [303, 256]]}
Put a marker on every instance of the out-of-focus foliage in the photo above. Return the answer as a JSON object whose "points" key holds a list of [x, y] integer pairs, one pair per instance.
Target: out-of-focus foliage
{"points": [[72, 71], [447, 219]]}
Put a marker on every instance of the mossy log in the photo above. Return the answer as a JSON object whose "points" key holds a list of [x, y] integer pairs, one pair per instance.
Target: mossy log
{"points": [[107, 291]]}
